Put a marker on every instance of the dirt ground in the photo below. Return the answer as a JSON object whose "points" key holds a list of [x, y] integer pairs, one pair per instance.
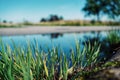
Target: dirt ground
{"points": [[54, 29]]}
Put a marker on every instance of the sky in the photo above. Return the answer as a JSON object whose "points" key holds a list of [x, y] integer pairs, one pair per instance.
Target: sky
{"points": [[34, 10]]}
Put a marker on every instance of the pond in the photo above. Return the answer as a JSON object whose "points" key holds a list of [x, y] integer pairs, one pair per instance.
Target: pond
{"points": [[21, 54], [65, 41]]}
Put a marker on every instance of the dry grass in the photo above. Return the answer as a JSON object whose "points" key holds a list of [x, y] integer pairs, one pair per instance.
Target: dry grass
{"points": [[64, 23]]}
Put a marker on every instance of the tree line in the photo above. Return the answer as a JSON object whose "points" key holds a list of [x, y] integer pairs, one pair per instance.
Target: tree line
{"points": [[98, 8], [52, 18]]}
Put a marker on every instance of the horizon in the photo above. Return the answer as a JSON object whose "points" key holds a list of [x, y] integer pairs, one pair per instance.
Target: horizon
{"points": [[34, 10]]}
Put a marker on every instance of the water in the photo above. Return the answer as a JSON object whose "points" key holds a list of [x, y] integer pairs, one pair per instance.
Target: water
{"points": [[66, 41]]}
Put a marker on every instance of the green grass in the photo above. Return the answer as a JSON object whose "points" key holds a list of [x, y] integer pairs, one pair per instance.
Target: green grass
{"points": [[18, 64], [113, 37], [78, 23], [10, 26], [62, 23]]}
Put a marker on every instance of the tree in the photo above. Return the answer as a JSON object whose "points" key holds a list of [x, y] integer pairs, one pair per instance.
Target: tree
{"points": [[92, 7], [97, 7], [43, 20], [55, 18], [60, 18], [112, 8], [51, 18], [4, 21]]}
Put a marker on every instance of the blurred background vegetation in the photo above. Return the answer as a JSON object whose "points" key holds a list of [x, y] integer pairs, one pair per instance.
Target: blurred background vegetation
{"points": [[98, 8]]}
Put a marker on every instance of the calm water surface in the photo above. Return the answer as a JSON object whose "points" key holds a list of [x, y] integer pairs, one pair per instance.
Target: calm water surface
{"points": [[64, 41]]}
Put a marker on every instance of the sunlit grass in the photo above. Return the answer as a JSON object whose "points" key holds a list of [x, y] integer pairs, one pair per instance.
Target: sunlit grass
{"points": [[61, 23], [113, 37], [18, 64], [33, 64]]}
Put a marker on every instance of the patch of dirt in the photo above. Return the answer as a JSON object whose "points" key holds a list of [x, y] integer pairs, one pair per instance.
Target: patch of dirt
{"points": [[110, 72], [116, 57]]}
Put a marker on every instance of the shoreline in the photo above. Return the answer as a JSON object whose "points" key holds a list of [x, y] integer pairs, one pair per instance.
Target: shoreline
{"points": [[28, 30]]}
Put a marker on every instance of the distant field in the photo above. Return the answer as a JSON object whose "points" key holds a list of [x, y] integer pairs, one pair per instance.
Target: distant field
{"points": [[79, 23], [62, 23]]}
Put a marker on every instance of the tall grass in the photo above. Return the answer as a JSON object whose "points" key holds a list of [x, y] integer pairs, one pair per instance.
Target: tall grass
{"points": [[18, 64], [113, 37]]}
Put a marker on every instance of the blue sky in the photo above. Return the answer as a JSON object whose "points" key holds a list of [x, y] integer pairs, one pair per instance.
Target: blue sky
{"points": [[34, 10]]}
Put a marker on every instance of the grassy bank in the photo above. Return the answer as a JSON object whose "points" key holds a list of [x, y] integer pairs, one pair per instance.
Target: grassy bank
{"points": [[33, 64], [62, 23], [19, 64], [79, 23]]}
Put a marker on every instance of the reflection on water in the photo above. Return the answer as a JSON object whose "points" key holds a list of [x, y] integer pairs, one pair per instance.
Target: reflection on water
{"points": [[53, 35], [64, 41]]}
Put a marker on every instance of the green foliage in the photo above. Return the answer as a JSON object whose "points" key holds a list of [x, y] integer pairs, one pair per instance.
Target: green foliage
{"points": [[52, 18], [88, 56], [112, 64], [27, 23], [113, 37], [99, 7], [112, 8], [93, 7], [18, 64]]}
